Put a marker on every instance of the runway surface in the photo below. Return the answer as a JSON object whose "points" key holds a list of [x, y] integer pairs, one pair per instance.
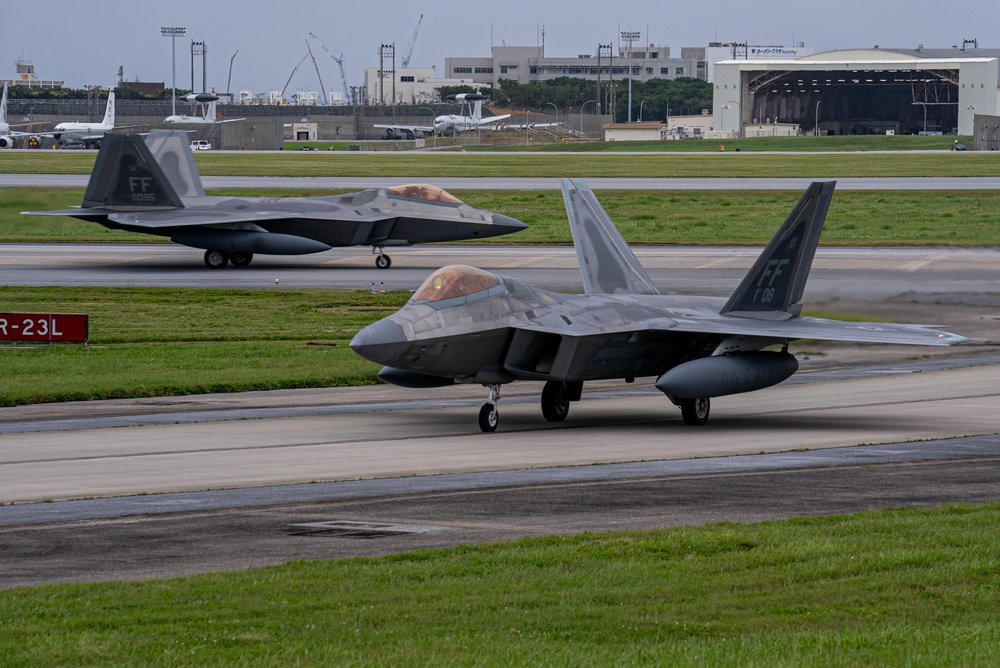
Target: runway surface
{"points": [[177, 485], [863, 273], [408, 475], [524, 183]]}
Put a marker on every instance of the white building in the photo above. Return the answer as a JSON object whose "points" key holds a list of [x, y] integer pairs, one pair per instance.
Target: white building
{"points": [[411, 85]]}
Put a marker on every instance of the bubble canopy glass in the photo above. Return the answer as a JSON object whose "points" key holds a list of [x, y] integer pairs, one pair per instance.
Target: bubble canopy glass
{"points": [[455, 281]]}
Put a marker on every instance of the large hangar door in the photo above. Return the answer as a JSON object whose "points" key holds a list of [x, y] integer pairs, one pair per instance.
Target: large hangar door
{"points": [[857, 101]]}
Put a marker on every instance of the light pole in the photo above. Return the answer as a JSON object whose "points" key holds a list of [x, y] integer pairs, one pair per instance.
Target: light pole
{"points": [[581, 114], [630, 36], [816, 131], [739, 116], [640, 110], [172, 32], [557, 117]]}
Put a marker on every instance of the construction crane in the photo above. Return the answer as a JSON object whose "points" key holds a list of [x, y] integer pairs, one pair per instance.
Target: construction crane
{"points": [[413, 42], [319, 76], [338, 57], [294, 70]]}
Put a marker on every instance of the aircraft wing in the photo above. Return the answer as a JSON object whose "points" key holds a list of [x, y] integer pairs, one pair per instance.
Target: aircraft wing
{"points": [[427, 129], [607, 321], [219, 216], [493, 119]]}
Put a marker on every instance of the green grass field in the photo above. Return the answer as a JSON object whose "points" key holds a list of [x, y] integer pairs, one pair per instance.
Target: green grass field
{"points": [[174, 341], [888, 588], [633, 162], [888, 217]]}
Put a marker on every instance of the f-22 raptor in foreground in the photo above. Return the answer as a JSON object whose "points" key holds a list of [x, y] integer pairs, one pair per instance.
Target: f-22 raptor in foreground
{"points": [[467, 325], [153, 187]]}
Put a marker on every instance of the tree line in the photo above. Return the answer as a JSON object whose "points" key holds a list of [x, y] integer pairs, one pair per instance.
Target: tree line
{"points": [[656, 99]]}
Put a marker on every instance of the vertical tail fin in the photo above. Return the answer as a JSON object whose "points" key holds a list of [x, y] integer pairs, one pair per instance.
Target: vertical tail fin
{"points": [[773, 287], [608, 265], [109, 112], [127, 177], [172, 151], [3, 105]]}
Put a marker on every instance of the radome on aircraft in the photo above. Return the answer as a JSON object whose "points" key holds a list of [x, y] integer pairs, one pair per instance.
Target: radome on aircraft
{"points": [[153, 187], [448, 124], [207, 102], [467, 325]]}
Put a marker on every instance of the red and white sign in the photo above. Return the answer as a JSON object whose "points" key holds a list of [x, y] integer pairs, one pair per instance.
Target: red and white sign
{"points": [[72, 327]]}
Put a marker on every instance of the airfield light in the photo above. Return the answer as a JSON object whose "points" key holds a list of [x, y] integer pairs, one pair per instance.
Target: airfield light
{"points": [[172, 32], [630, 36]]}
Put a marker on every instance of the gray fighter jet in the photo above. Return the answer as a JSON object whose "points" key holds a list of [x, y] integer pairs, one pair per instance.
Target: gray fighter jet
{"points": [[466, 325], [153, 187]]}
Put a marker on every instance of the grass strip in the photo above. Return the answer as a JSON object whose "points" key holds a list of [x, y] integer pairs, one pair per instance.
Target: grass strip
{"points": [[856, 218], [895, 587], [429, 165], [176, 341]]}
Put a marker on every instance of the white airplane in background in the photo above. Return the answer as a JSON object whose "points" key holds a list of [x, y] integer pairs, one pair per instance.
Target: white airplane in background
{"points": [[73, 131], [6, 141], [207, 102], [448, 124]]}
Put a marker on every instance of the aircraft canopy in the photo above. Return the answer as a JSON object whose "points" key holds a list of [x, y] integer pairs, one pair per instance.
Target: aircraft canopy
{"points": [[425, 192], [453, 281]]}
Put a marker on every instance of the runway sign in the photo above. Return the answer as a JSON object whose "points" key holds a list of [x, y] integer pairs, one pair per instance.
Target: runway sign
{"points": [[50, 327]]}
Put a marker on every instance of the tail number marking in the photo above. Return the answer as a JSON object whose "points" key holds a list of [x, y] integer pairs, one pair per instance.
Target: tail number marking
{"points": [[139, 187]]}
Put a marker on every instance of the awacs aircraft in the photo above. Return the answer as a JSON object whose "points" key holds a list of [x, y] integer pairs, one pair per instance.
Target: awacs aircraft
{"points": [[466, 325], [208, 104], [448, 124], [153, 187]]}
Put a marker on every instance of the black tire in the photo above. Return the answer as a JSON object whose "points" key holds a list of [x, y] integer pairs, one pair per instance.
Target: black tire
{"points": [[216, 259], [383, 262], [695, 411], [555, 405], [488, 418], [241, 259]]}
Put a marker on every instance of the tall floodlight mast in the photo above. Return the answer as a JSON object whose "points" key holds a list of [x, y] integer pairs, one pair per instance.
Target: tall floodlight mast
{"points": [[630, 36], [172, 32]]}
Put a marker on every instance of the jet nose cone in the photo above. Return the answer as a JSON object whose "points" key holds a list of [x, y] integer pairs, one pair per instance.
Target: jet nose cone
{"points": [[506, 224], [380, 341]]}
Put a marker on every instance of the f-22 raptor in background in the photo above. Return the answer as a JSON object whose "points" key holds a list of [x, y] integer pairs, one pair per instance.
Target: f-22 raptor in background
{"points": [[153, 187], [466, 325]]}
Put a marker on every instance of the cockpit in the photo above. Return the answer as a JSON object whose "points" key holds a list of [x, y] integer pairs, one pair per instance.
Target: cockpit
{"points": [[423, 192], [457, 281]]}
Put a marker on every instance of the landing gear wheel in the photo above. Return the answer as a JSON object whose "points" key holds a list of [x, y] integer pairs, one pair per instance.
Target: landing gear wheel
{"points": [[241, 259], [695, 411], [555, 405], [488, 417], [216, 259], [383, 261]]}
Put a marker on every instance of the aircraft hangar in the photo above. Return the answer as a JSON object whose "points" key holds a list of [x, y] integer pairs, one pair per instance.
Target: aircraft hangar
{"points": [[860, 91]]}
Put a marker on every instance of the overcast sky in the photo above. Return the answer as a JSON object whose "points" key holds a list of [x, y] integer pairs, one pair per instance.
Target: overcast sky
{"points": [[83, 43]]}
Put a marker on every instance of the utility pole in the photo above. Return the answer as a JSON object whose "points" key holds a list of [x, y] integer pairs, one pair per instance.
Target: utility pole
{"points": [[602, 50]]}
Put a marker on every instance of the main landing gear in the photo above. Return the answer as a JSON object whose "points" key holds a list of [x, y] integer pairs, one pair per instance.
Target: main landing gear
{"points": [[694, 412], [382, 261], [217, 259]]}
